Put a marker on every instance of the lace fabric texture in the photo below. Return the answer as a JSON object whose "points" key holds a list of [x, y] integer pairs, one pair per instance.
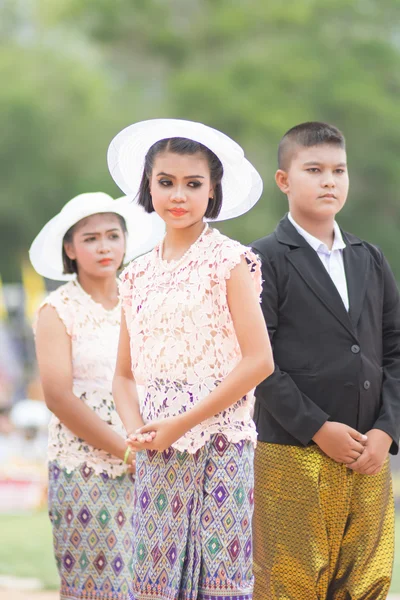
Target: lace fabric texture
{"points": [[94, 333], [182, 338]]}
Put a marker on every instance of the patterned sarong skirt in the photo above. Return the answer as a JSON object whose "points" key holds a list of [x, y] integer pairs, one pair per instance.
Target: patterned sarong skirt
{"points": [[192, 534], [91, 517]]}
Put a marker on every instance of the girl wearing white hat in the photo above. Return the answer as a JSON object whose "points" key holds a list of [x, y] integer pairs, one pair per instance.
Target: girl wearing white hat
{"points": [[90, 468], [195, 337]]}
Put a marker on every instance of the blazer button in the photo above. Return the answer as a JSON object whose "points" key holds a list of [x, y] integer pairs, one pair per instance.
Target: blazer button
{"points": [[367, 385], [355, 349]]}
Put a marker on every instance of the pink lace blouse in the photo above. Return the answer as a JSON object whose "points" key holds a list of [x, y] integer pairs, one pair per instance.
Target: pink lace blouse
{"points": [[182, 339], [94, 333]]}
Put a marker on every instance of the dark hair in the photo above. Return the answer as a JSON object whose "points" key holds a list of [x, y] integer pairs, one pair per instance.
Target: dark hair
{"points": [[182, 146], [312, 133], [69, 264]]}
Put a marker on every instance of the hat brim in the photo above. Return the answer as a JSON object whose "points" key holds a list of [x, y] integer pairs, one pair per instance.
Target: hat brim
{"points": [[144, 231], [241, 183]]}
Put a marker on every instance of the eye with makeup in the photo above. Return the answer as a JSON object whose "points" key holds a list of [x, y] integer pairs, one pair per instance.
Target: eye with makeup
{"points": [[169, 183]]}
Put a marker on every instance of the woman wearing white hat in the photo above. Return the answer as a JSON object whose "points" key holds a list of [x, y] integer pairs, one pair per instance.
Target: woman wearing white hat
{"points": [[194, 335], [90, 468]]}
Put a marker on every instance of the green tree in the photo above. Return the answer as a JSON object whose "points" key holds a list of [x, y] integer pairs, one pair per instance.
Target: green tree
{"points": [[249, 67]]}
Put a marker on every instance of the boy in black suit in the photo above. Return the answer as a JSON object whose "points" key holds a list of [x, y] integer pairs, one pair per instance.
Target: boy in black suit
{"points": [[330, 414]]}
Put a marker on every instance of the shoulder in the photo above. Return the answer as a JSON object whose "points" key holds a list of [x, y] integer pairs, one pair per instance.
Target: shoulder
{"points": [[64, 295], [64, 301], [268, 245], [228, 254], [134, 272], [137, 266], [372, 249], [225, 249]]}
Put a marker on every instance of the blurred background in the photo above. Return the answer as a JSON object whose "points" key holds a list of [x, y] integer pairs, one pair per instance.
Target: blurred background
{"points": [[74, 72]]}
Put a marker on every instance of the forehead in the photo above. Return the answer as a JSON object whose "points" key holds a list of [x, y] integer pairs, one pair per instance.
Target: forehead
{"points": [[98, 222], [324, 154], [181, 164]]}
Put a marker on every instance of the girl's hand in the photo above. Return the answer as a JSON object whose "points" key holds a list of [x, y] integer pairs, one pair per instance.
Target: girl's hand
{"points": [[138, 438], [165, 433], [131, 462]]}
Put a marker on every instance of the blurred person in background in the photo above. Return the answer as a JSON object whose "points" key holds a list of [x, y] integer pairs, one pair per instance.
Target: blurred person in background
{"points": [[91, 469]]}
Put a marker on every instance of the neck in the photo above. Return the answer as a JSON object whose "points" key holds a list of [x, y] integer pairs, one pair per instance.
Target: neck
{"points": [[177, 241], [102, 289], [322, 230]]}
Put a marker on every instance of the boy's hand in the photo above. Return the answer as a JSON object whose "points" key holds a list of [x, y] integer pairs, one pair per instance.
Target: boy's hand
{"points": [[375, 454], [340, 442]]}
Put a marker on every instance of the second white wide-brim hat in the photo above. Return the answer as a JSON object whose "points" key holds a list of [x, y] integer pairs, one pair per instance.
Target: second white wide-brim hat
{"points": [[144, 231], [241, 183]]}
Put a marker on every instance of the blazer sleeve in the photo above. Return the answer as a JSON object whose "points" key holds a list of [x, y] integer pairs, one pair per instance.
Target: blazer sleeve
{"points": [[278, 394], [389, 416]]}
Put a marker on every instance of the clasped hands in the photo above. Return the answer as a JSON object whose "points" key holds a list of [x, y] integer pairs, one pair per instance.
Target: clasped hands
{"points": [[365, 454], [157, 435]]}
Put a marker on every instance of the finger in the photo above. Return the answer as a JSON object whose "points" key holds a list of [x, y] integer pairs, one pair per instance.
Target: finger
{"points": [[356, 446], [356, 435], [138, 446], [132, 437], [377, 471], [353, 455], [146, 428]]}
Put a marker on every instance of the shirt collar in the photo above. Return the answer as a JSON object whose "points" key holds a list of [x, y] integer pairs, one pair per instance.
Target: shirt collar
{"points": [[315, 243]]}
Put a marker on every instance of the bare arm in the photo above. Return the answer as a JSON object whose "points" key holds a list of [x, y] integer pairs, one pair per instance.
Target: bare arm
{"points": [[124, 386], [53, 350], [255, 365]]}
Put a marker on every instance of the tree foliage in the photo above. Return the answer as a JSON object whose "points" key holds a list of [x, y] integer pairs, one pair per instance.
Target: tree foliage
{"points": [[74, 72]]}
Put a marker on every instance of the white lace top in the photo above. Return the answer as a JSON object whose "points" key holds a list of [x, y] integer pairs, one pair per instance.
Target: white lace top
{"points": [[94, 333], [182, 339]]}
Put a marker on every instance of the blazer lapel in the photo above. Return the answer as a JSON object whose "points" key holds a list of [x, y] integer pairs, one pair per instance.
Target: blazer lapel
{"points": [[356, 263], [309, 266]]}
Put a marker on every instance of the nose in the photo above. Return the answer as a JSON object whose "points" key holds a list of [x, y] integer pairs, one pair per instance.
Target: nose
{"points": [[329, 180], [103, 246], [178, 194]]}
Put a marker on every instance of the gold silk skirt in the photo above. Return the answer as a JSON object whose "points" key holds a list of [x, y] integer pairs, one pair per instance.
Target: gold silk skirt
{"points": [[321, 531]]}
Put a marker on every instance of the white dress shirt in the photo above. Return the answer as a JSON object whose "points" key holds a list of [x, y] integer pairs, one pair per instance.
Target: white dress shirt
{"points": [[331, 259]]}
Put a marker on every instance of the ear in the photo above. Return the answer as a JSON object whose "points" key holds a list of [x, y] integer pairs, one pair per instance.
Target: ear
{"points": [[70, 250], [211, 191], [281, 178]]}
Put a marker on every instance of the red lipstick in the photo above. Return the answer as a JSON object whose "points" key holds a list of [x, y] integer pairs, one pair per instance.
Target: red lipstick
{"points": [[178, 212]]}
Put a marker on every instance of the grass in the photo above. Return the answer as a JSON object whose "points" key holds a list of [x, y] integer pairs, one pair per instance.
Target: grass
{"points": [[27, 550]]}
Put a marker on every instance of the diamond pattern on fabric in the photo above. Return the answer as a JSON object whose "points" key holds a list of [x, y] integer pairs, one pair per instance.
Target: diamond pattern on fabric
{"points": [[92, 535], [194, 541]]}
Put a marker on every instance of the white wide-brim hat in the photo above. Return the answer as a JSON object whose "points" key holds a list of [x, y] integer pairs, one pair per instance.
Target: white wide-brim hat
{"points": [[144, 231], [241, 184]]}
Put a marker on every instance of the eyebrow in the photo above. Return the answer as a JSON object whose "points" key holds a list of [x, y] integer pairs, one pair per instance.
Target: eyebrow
{"points": [[98, 232], [316, 162], [187, 176]]}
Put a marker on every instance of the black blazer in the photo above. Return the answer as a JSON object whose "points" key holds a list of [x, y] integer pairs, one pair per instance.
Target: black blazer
{"points": [[330, 364]]}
